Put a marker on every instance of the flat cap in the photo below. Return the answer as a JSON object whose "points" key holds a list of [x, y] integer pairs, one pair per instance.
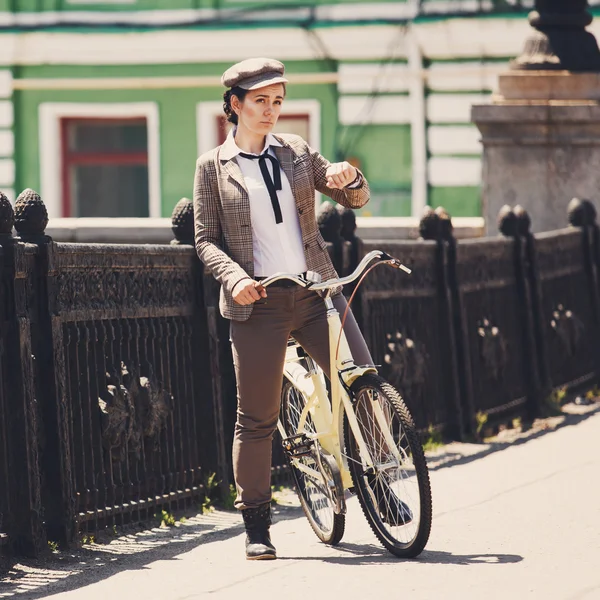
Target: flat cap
{"points": [[254, 73]]}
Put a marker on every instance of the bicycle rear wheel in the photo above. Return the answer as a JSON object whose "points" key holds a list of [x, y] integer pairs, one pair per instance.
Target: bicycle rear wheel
{"points": [[315, 495], [394, 493]]}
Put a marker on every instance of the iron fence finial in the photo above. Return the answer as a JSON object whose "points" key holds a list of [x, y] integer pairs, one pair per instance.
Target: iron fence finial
{"points": [[348, 231], [507, 221], [523, 220], [429, 225], [445, 223], [329, 221], [581, 213], [7, 215], [182, 222], [31, 215]]}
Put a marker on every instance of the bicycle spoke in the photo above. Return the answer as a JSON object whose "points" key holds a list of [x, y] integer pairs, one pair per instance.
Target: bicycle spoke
{"points": [[388, 476], [315, 495]]}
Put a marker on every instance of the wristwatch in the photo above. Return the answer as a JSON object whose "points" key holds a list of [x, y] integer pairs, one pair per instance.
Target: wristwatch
{"points": [[357, 181]]}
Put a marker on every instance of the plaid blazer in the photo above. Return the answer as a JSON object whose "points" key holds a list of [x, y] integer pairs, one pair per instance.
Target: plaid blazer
{"points": [[223, 233]]}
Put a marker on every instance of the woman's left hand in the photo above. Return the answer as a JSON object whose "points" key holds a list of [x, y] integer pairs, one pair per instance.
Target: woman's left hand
{"points": [[339, 175]]}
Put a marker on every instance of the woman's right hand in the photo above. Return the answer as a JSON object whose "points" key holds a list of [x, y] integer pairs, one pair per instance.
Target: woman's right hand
{"points": [[247, 292]]}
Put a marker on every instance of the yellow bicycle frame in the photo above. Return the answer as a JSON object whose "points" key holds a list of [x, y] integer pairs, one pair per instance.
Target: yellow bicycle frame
{"points": [[327, 415]]}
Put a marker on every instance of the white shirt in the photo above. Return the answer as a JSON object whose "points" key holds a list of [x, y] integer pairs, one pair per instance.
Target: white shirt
{"points": [[277, 247]]}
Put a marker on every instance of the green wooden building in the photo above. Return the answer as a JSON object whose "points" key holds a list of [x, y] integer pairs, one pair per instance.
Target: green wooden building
{"points": [[105, 105]]}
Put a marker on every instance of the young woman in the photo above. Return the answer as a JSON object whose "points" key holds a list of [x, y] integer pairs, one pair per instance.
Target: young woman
{"points": [[254, 212]]}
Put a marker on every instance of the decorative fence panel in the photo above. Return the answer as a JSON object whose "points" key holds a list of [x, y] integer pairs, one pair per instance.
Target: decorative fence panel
{"points": [[408, 326], [126, 379], [494, 327], [568, 310]]}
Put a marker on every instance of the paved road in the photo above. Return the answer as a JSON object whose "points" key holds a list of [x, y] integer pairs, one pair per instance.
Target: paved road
{"points": [[522, 522]]}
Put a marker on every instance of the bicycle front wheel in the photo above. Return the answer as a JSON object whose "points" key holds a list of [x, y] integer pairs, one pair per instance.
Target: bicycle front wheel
{"points": [[392, 482], [313, 490]]}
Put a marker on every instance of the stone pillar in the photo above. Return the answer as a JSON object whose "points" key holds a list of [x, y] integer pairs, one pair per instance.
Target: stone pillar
{"points": [[541, 134]]}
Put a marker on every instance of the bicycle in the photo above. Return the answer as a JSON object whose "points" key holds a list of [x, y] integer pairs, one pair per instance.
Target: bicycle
{"points": [[359, 438]]}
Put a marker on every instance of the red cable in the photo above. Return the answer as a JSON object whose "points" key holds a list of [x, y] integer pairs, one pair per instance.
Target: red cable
{"points": [[337, 350]]}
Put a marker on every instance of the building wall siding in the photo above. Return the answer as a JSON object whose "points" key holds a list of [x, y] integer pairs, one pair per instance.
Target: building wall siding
{"points": [[7, 136], [366, 94], [177, 114]]}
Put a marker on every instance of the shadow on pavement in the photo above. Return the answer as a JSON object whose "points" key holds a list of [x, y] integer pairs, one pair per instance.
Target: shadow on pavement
{"points": [[362, 554], [451, 459], [70, 570]]}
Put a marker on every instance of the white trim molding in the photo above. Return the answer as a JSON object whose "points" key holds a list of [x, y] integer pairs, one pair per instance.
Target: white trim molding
{"points": [[343, 13], [152, 83], [475, 76], [6, 114], [185, 46], [374, 110], [207, 112], [7, 172], [453, 108], [6, 83], [50, 114], [366, 78], [454, 139], [418, 128], [472, 38], [453, 172], [7, 143]]}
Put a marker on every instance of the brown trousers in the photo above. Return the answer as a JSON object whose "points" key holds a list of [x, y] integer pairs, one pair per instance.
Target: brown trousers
{"points": [[259, 346]]}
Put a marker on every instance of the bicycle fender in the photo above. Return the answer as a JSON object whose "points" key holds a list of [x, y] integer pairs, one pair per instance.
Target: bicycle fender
{"points": [[350, 376], [297, 375]]}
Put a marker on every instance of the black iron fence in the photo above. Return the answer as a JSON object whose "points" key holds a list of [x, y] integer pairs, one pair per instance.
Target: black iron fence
{"points": [[484, 329], [118, 394], [108, 412]]}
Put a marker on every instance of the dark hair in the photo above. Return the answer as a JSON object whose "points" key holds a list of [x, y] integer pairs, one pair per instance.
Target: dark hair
{"points": [[229, 113]]}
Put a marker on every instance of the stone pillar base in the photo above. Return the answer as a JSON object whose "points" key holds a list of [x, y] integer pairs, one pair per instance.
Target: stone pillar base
{"points": [[541, 145]]}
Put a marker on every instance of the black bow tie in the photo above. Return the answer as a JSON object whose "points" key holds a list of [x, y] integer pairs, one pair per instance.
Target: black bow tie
{"points": [[272, 186]]}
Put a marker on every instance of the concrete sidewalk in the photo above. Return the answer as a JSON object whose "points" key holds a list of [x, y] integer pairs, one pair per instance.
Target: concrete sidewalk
{"points": [[515, 518]]}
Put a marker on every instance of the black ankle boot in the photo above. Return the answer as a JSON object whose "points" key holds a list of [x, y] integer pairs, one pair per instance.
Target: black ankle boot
{"points": [[258, 539], [392, 510]]}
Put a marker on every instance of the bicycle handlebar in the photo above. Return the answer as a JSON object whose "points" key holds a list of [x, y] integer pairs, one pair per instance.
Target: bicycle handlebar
{"points": [[312, 280]]}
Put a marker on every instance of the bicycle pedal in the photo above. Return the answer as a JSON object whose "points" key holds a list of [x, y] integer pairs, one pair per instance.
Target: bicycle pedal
{"points": [[298, 445]]}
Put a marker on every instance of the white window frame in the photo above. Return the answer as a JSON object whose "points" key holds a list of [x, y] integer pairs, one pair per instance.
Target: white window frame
{"points": [[207, 135], [208, 112], [50, 116]]}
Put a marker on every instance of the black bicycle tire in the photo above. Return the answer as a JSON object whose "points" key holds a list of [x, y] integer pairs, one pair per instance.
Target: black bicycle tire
{"points": [[339, 520], [399, 549]]}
